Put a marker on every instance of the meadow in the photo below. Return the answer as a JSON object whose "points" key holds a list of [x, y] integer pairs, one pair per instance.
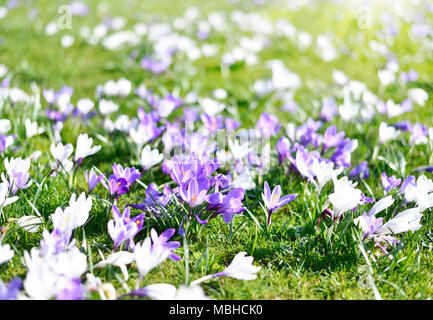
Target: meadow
{"points": [[216, 149]]}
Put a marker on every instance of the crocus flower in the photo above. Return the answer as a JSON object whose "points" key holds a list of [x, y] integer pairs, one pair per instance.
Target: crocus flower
{"points": [[272, 200], [5, 253], [148, 256], [389, 183], [32, 128], [121, 179], [226, 205], [10, 291], [332, 138], [123, 227], [162, 240], [17, 170], [241, 268], [283, 147], [73, 290], [92, 179], [345, 197], [361, 171], [4, 192], [268, 124], [84, 147], [387, 133], [195, 191], [149, 158], [119, 259]]}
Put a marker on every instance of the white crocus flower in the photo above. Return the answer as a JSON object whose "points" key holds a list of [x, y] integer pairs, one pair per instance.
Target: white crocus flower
{"points": [[4, 192], [408, 220], [84, 147], [381, 205], [147, 257], [420, 193], [418, 95], [387, 133], [5, 126], [85, 105], [149, 157], [30, 223], [32, 128], [73, 216], [118, 259], [107, 107], [345, 196], [240, 268], [6, 253]]}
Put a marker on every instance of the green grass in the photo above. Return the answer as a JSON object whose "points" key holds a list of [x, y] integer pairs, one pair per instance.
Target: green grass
{"points": [[297, 262]]}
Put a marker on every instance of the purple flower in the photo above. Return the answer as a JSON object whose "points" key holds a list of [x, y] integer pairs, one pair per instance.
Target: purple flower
{"points": [[167, 105], [389, 183], [162, 241], [329, 110], [404, 125], [10, 291], [361, 171], [332, 138], [74, 290], [226, 205], [154, 198], [343, 155], [268, 124], [418, 134], [231, 125], [121, 180], [212, 124], [195, 191], [123, 228], [409, 180], [283, 147], [272, 200], [54, 242], [92, 179]]}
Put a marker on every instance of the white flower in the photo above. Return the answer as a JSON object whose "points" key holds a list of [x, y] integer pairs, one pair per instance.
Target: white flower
{"points": [[386, 76], [164, 291], [402, 222], [30, 223], [241, 268], [387, 133], [67, 41], [123, 87], [190, 293], [244, 180], [4, 192], [420, 193], [6, 253], [149, 158], [147, 257], [32, 128], [212, 107], [61, 152], [381, 205], [107, 107], [5, 126], [84, 147], [73, 216], [142, 134], [418, 96], [85, 105], [323, 172], [345, 196], [119, 259]]}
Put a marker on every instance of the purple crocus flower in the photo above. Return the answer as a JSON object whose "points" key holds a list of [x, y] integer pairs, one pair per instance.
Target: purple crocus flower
{"points": [[418, 134], [343, 155], [167, 105], [212, 124], [361, 171], [123, 227], [162, 241], [231, 125], [154, 198], [55, 242], [121, 180], [273, 200], [332, 138], [10, 291], [74, 290], [389, 183], [406, 182], [283, 147], [268, 124], [92, 179], [329, 110], [226, 205], [195, 191], [404, 125]]}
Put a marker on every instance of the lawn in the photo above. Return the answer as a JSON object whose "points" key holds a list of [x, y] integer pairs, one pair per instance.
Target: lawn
{"points": [[288, 70]]}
